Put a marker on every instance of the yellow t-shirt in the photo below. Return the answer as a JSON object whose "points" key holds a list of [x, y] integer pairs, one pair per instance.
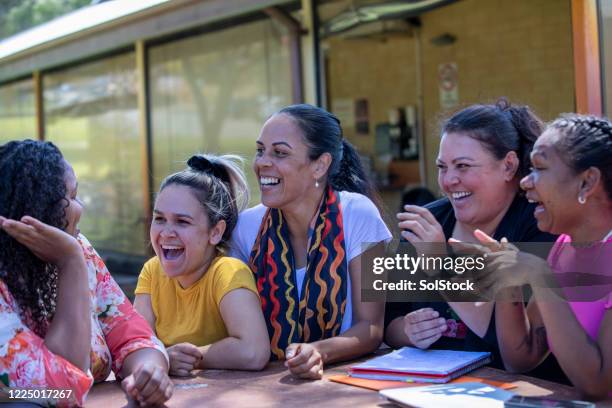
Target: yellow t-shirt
{"points": [[192, 315]]}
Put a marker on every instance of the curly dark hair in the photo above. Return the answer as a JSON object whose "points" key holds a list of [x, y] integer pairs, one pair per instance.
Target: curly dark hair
{"points": [[31, 183]]}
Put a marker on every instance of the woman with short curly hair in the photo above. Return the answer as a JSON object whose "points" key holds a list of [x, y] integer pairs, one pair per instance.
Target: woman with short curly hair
{"points": [[63, 319]]}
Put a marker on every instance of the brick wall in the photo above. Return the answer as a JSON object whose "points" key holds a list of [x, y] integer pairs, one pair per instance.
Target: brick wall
{"points": [[521, 49]]}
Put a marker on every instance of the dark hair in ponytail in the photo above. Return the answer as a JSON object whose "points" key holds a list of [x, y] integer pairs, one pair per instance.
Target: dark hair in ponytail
{"points": [[323, 134], [586, 142], [219, 184], [501, 128]]}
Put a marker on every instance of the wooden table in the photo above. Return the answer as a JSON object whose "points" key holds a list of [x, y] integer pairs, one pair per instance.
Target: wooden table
{"points": [[275, 387]]}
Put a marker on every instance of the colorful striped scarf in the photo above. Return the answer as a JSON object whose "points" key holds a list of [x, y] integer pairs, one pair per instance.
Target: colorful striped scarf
{"points": [[318, 313]]}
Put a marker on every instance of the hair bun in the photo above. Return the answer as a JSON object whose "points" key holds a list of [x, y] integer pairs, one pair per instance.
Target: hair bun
{"points": [[201, 163]]}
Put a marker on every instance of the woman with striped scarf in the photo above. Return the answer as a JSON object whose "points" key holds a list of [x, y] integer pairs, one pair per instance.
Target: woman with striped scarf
{"points": [[305, 240]]}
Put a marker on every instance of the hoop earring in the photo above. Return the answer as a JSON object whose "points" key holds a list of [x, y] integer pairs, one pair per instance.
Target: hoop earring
{"points": [[581, 200], [316, 183]]}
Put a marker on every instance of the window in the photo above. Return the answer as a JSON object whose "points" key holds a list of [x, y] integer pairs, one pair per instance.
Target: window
{"points": [[91, 113], [213, 92], [17, 111]]}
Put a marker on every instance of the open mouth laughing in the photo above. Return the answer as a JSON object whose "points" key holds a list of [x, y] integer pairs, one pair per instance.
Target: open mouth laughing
{"points": [[172, 252]]}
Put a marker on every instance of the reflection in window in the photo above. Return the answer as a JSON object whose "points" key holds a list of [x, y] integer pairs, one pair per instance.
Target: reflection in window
{"points": [[605, 8], [91, 112], [213, 92], [17, 111]]}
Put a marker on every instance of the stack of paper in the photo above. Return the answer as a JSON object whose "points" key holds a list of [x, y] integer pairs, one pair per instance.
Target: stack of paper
{"points": [[412, 364]]}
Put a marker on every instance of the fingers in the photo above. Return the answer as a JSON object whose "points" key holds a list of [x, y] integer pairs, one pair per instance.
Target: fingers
{"points": [[421, 223], [422, 212], [424, 326], [414, 226], [180, 372], [36, 224], [312, 362], [292, 350], [187, 349], [426, 342], [421, 314], [17, 229], [410, 236], [304, 361], [151, 385], [180, 368], [467, 247], [128, 386], [151, 390], [182, 358], [296, 355], [488, 241], [311, 371]]}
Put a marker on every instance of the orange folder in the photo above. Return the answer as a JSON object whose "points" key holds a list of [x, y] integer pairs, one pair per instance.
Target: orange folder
{"points": [[378, 385]]}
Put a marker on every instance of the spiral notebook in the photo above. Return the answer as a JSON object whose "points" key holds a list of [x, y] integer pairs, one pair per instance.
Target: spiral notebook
{"points": [[415, 365]]}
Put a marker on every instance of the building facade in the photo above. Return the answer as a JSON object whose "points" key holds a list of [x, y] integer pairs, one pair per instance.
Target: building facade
{"points": [[130, 89]]}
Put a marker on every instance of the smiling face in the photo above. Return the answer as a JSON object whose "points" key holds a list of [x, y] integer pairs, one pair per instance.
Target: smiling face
{"points": [[75, 207], [477, 184], [181, 236], [553, 185], [285, 173]]}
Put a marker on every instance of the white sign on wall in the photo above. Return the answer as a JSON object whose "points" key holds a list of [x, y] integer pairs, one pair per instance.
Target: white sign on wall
{"points": [[448, 85]]}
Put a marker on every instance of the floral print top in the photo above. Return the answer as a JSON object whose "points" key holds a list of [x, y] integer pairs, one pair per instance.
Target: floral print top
{"points": [[117, 330]]}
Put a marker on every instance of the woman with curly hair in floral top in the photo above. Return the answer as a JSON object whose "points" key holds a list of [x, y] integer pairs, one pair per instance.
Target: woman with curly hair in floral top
{"points": [[64, 322]]}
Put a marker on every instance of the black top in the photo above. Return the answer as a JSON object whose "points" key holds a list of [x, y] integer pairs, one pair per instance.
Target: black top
{"points": [[518, 225]]}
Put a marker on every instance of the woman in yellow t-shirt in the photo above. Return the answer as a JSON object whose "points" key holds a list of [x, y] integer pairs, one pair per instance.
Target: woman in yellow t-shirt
{"points": [[203, 306]]}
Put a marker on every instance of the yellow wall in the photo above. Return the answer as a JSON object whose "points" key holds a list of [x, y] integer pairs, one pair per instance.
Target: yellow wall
{"points": [[381, 71], [520, 49]]}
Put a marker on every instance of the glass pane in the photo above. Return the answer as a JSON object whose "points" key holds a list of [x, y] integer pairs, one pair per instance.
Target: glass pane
{"points": [[17, 111], [606, 48], [212, 93], [91, 112]]}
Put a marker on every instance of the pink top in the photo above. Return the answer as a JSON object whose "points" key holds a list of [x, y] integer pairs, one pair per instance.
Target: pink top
{"points": [[589, 303]]}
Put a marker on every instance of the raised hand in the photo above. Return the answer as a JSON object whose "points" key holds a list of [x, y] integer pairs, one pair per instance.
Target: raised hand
{"points": [[506, 266], [48, 243], [419, 225]]}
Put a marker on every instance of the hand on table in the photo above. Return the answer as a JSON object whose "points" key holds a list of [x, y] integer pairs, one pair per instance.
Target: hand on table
{"points": [[424, 327], [304, 361], [149, 385], [184, 358]]}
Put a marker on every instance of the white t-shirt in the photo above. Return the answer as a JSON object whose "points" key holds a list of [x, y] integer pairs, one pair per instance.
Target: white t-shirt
{"points": [[362, 226]]}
